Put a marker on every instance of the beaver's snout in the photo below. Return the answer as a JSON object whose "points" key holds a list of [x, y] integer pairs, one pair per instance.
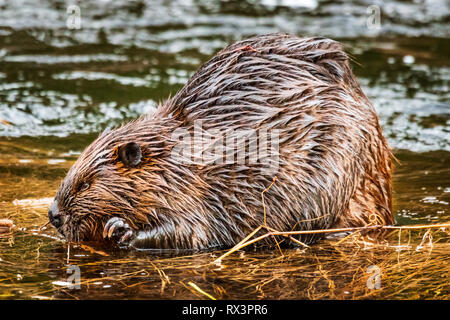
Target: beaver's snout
{"points": [[55, 215]]}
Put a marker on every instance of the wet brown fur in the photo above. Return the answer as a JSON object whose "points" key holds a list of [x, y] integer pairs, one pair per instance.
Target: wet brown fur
{"points": [[334, 163]]}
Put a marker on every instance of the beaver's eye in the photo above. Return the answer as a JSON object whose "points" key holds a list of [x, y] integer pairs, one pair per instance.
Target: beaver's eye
{"points": [[84, 186]]}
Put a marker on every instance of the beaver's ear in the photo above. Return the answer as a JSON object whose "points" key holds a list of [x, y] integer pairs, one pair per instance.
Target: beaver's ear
{"points": [[130, 154]]}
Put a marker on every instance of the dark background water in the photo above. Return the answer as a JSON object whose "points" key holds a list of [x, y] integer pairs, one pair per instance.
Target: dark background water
{"points": [[59, 87]]}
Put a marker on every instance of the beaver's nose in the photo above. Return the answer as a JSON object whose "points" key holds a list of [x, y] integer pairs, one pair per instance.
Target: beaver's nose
{"points": [[54, 215]]}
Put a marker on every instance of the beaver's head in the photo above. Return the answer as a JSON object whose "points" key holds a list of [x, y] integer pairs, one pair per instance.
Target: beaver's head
{"points": [[115, 176]]}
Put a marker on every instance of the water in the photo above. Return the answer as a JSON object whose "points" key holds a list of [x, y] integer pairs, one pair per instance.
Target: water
{"points": [[60, 87]]}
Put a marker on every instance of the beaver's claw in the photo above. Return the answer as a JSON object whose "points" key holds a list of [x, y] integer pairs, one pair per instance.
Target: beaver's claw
{"points": [[118, 229]]}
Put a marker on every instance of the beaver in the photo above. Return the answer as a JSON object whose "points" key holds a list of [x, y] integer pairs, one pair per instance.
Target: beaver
{"points": [[333, 165]]}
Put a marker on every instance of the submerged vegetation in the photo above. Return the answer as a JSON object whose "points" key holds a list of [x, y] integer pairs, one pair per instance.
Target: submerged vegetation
{"points": [[407, 263]]}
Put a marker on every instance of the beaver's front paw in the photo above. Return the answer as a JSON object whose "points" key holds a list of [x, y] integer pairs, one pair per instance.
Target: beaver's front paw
{"points": [[118, 230]]}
